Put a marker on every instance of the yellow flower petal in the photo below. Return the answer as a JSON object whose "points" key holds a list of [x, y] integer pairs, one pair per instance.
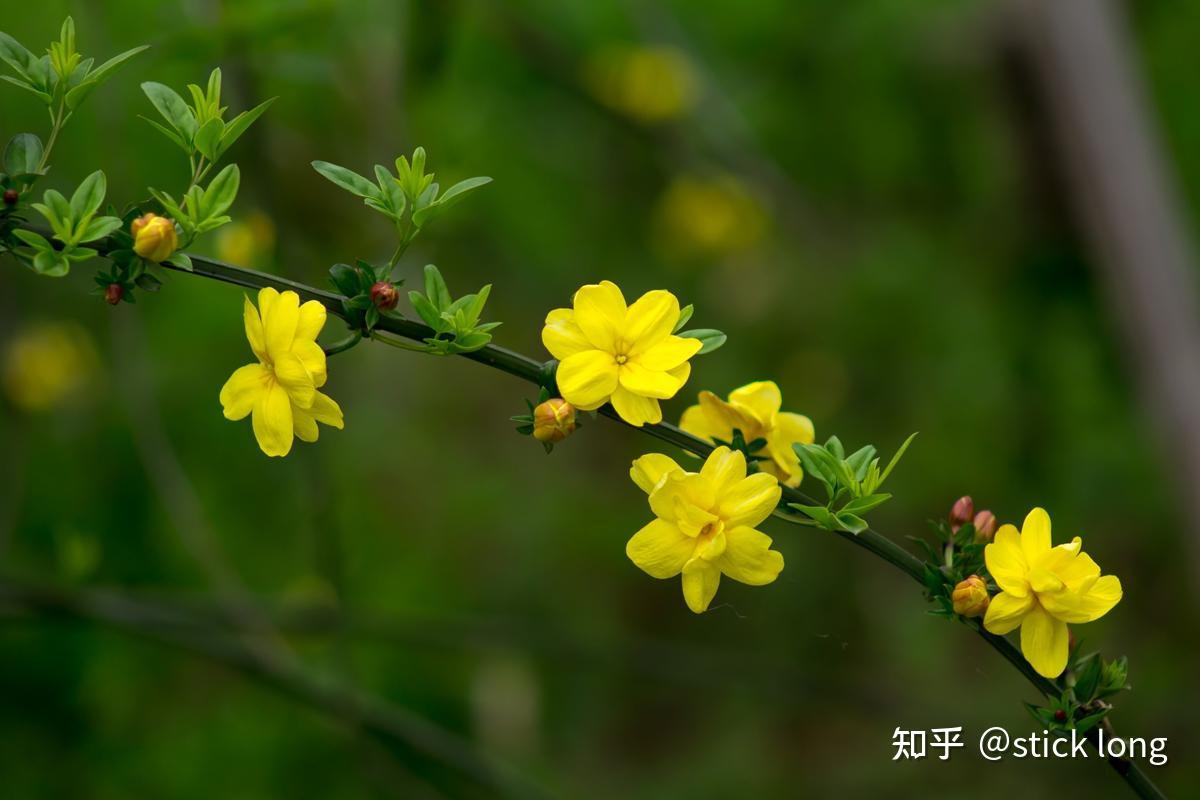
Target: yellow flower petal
{"points": [[698, 422], [1043, 581], [266, 299], [748, 502], [761, 400], [304, 425], [313, 358], [240, 392], [279, 322], [1035, 534], [732, 416], [1079, 607], [794, 428], [660, 549], [748, 557], [649, 321], [700, 581], [1005, 612], [311, 320], [649, 469], [561, 336], [668, 353], [1044, 642], [587, 379], [254, 329], [683, 499], [1079, 573], [327, 412], [600, 314], [635, 409], [272, 420], [648, 383], [1006, 561], [724, 468], [291, 374]]}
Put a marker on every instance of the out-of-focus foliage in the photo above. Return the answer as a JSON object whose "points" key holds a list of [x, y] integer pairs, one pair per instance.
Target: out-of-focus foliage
{"points": [[843, 188]]}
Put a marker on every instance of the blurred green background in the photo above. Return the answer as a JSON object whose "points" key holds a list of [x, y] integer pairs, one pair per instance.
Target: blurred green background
{"points": [[846, 189]]}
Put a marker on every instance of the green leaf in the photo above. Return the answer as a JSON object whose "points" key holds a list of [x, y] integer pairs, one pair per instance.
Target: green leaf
{"points": [[34, 240], [390, 191], [239, 124], [23, 154], [99, 228], [859, 459], [169, 205], [818, 514], [711, 339], [896, 458], [435, 288], [170, 134], [851, 522], [221, 192], [861, 505], [98, 76], [685, 314], [16, 56], [345, 279], [425, 310], [208, 136], [60, 206], [180, 259], [45, 97], [347, 179], [173, 109], [1087, 678], [51, 264], [88, 197], [452, 196]]}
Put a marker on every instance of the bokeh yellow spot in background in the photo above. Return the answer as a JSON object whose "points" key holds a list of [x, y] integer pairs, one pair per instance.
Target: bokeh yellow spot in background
{"points": [[45, 364], [649, 84], [247, 242], [709, 216]]}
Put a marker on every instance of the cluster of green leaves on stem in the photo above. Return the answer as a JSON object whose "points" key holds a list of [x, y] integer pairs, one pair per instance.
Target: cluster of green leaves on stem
{"points": [[74, 223], [357, 283], [199, 129], [851, 483], [1082, 704], [455, 322], [202, 210]]}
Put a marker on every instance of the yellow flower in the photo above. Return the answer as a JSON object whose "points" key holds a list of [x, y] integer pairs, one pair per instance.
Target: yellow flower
{"points": [[154, 237], [704, 524], [626, 354], [754, 410], [1044, 588], [281, 390], [45, 364]]}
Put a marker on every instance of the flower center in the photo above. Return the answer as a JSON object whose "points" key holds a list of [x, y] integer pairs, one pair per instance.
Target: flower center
{"points": [[622, 358]]}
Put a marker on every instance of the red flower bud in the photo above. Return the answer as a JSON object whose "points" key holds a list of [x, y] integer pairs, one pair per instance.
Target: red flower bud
{"points": [[962, 512], [985, 527], [11, 196], [1060, 716], [113, 293], [384, 296]]}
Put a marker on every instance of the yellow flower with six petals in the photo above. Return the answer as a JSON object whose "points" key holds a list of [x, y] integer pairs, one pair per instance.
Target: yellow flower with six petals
{"points": [[280, 391], [1042, 589], [754, 410], [628, 355], [704, 524]]}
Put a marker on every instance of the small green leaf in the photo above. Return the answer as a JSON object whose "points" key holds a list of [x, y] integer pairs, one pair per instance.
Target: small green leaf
{"points": [[23, 154], [345, 279], [710, 339], [208, 136], [685, 314], [851, 522], [45, 97], [425, 310], [87, 198], [435, 288], [452, 196], [896, 458], [221, 192], [180, 259], [99, 228], [239, 124], [97, 76], [51, 264], [347, 179], [173, 109], [861, 505], [170, 134], [34, 240]]}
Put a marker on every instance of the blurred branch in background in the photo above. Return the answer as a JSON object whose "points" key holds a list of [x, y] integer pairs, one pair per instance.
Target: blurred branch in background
{"points": [[1090, 94]]}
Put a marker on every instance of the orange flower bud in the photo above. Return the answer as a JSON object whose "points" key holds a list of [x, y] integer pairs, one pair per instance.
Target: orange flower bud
{"points": [[553, 420], [154, 237], [985, 527], [962, 512], [970, 597], [113, 293]]}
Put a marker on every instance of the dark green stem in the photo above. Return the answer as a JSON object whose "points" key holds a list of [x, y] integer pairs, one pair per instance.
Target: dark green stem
{"points": [[534, 371]]}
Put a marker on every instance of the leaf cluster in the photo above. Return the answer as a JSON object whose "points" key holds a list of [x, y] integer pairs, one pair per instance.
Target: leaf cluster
{"points": [[74, 223], [951, 557], [1081, 706], [62, 78], [199, 128], [355, 283], [851, 483], [202, 209], [455, 322]]}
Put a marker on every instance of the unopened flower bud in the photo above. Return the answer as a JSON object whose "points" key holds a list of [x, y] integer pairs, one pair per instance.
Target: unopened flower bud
{"points": [[11, 196], [553, 420], [384, 296], [154, 237], [962, 512], [970, 597], [985, 527], [1060, 715], [113, 293]]}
